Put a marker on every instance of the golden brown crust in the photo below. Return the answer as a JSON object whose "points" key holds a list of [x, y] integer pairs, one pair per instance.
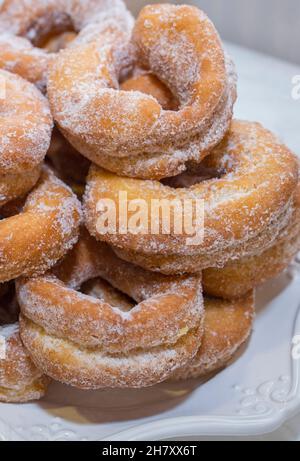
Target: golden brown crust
{"points": [[237, 278], [48, 226], [106, 123], [90, 343], [26, 125], [20, 381], [27, 27], [227, 326], [245, 208]]}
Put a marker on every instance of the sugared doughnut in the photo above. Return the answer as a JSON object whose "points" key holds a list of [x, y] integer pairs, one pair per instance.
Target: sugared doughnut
{"points": [[28, 26], [91, 343], [227, 327], [246, 204], [20, 381], [130, 132], [47, 227], [25, 133], [237, 278]]}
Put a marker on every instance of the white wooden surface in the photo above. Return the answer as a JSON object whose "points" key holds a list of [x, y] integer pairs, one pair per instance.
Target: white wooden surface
{"points": [[270, 26]]}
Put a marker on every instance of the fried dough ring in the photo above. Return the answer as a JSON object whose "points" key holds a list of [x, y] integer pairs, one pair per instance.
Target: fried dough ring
{"points": [[20, 381], [90, 343], [237, 278], [26, 125], [244, 209], [24, 26], [227, 326], [48, 226], [181, 47]]}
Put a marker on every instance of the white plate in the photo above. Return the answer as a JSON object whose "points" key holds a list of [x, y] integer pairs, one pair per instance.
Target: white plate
{"points": [[255, 395]]}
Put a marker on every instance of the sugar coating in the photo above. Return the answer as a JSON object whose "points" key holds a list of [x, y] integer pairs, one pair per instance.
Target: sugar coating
{"points": [[43, 232], [26, 126], [24, 22], [20, 381], [238, 277], [159, 333], [8, 330], [246, 204], [103, 122], [227, 326]]}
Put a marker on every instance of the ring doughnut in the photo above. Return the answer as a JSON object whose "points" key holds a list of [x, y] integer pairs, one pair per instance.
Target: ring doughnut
{"points": [[48, 226], [237, 278], [27, 27], [245, 205], [26, 125], [227, 326], [20, 381], [180, 46], [90, 343]]}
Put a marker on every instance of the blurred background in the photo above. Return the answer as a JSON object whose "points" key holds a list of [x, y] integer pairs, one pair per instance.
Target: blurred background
{"points": [[269, 26]]}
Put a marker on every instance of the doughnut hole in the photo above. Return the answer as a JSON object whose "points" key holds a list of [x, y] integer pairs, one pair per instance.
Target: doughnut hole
{"points": [[193, 175], [9, 308], [52, 31], [100, 289], [151, 85]]}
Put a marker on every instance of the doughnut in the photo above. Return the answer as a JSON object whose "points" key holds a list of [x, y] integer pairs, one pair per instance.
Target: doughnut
{"points": [[93, 343], [247, 203], [237, 278], [129, 132], [20, 381], [227, 327], [26, 125], [31, 31], [47, 227]]}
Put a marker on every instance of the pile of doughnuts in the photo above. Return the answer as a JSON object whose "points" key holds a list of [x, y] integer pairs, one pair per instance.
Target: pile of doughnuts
{"points": [[94, 104]]}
